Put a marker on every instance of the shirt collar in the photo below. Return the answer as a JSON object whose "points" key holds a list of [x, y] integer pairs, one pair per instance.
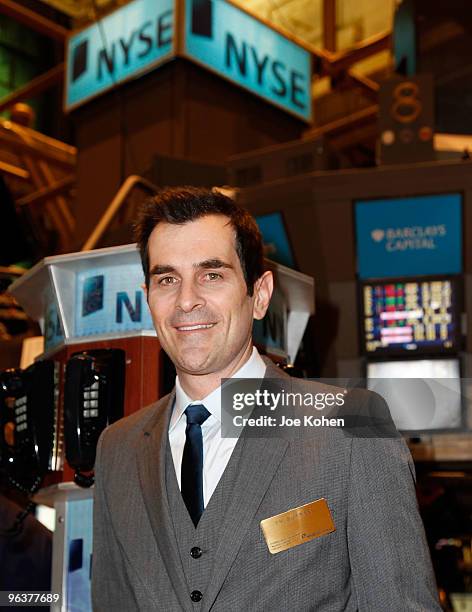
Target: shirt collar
{"points": [[253, 368]]}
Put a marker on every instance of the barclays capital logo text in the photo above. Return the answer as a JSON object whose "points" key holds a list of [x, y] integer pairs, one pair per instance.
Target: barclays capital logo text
{"points": [[377, 235], [410, 238]]}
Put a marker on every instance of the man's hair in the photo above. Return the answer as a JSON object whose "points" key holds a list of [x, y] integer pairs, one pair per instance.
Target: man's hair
{"points": [[180, 205]]}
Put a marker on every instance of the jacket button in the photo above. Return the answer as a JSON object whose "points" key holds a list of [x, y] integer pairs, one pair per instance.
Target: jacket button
{"points": [[196, 552], [196, 595]]}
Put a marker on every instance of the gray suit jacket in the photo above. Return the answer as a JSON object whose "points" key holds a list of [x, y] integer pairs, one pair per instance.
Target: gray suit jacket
{"points": [[376, 560]]}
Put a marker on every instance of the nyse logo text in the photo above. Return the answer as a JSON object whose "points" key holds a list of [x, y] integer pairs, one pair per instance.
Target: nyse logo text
{"points": [[122, 53], [287, 83]]}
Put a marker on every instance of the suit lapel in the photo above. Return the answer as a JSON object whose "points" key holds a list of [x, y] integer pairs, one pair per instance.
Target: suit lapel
{"points": [[259, 461], [151, 453]]}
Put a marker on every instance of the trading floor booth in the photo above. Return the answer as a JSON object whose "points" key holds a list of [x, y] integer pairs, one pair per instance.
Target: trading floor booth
{"points": [[390, 250]]}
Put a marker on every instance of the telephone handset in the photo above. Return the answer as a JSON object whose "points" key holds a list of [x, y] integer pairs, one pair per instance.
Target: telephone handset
{"points": [[93, 399], [11, 387], [28, 404], [35, 419]]}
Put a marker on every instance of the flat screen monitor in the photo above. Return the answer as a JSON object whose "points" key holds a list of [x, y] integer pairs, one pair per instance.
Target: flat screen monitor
{"points": [[409, 236], [423, 395], [277, 245], [410, 316]]}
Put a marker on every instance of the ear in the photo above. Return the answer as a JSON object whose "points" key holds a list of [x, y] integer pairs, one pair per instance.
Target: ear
{"points": [[263, 289], [145, 289]]}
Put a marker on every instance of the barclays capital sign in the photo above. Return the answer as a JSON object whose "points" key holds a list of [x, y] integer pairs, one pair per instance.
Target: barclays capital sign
{"points": [[412, 236], [216, 34]]}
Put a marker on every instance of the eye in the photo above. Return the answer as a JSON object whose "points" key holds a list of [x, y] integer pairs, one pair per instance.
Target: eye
{"points": [[213, 276], [167, 280]]}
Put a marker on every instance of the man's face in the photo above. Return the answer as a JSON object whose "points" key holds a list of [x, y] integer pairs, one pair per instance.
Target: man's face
{"points": [[198, 296]]}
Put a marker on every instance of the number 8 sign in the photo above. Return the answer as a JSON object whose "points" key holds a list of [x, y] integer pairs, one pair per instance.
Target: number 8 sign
{"points": [[406, 121], [406, 106]]}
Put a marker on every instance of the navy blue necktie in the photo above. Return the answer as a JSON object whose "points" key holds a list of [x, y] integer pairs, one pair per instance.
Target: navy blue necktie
{"points": [[192, 461]]}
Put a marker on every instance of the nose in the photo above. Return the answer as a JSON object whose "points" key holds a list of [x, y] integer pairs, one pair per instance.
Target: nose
{"points": [[189, 297]]}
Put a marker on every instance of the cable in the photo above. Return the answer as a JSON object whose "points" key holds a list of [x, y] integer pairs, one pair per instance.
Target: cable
{"points": [[18, 523], [126, 145], [84, 480]]}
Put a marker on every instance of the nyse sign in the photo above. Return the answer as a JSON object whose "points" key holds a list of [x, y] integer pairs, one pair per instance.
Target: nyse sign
{"points": [[110, 300], [128, 42], [140, 36], [237, 46]]}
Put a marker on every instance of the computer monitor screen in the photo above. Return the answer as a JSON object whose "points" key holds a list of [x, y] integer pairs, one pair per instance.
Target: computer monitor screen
{"points": [[404, 316], [277, 245], [409, 236], [422, 395]]}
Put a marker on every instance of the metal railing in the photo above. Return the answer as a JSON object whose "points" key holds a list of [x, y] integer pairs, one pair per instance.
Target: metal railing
{"points": [[114, 207]]}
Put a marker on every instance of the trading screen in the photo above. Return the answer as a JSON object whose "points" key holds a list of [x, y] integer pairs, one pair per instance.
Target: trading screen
{"points": [[409, 316], [422, 394]]}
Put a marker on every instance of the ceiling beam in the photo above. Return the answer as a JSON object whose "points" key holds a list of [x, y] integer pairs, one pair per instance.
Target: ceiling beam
{"points": [[369, 87], [337, 62], [46, 193], [14, 171], [329, 25], [34, 87], [33, 20], [366, 115]]}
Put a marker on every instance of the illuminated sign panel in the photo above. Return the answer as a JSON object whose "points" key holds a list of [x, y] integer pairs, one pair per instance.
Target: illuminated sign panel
{"points": [[217, 35], [409, 236], [276, 243], [237, 46], [53, 332], [410, 316], [126, 43], [110, 300]]}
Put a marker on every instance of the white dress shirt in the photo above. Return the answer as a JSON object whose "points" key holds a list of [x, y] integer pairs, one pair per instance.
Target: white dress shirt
{"points": [[216, 450]]}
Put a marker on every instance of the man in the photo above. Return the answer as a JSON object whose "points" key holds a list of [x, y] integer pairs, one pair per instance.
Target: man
{"points": [[178, 508]]}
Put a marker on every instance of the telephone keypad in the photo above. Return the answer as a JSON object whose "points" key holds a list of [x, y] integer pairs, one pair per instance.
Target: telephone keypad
{"points": [[20, 414], [90, 406]]}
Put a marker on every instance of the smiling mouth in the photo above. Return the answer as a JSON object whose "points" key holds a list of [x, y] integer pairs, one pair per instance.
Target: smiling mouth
{"points": [[195, 327]]}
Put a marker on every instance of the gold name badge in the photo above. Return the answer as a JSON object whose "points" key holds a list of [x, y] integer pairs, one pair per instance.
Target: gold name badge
{"points": [[297, 526]]}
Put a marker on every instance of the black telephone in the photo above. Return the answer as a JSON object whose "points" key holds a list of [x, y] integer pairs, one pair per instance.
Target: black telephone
{"points": [[28, 406], [11, 387], [93, 398]]}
